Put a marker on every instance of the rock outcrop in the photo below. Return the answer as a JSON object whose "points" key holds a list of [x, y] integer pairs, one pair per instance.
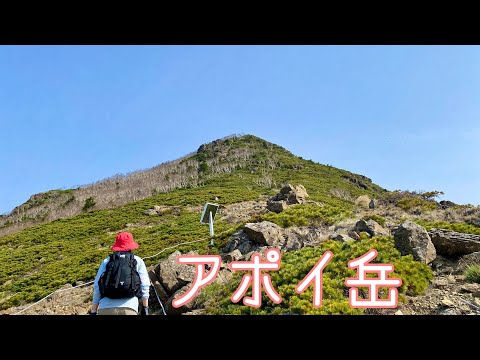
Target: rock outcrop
{"points": [[452, 243], [288, 195], [411, 238], [265, 233], [363, 201], [371, 227]]}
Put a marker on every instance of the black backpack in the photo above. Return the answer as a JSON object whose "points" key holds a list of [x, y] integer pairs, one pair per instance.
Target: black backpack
{"points": [[121, 278]]}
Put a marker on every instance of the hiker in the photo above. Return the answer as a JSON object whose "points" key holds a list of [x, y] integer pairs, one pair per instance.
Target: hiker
{"points": [[113, 303]]}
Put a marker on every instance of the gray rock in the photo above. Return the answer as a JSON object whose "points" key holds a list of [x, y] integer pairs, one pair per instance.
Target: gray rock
{"points": [[411, 238], [245, 247], [452, 243], [235, 255], [447, 302], [450, 311], [294, 198], [277, 206], [186, 273], [223, 276], [173, 275], [341, 238], [363, 201], [472, 288], [440, 282], [293, 242], [265, 233], [287, 189], [371, 227], [288, 195], [240, 241], [171, 310], [230, 246], [160, 291], [354, 235]]}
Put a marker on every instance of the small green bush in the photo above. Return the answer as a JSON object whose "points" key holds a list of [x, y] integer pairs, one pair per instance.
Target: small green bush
{"points": [[408, 204], [307, 214], [377, 218], [461, 227], [203, 168], [472, 273], [364, 236], [89, 203]]}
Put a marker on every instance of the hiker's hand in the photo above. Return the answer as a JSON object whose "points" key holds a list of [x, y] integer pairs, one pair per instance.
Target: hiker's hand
{"points": [[144, 311]]}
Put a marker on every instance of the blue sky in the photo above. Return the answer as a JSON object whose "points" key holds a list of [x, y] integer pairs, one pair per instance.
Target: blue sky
{"points": [[405, 116]]}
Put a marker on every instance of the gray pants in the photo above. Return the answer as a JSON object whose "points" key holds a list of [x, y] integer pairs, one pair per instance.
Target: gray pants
{"points": [[117, 311]]}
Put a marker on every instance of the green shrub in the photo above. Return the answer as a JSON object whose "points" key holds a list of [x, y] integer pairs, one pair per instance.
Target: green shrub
{"points": [[472, 273], [364, 236], [461, 227], [409, 204], [431, 195], [203, 167], [377, 218], [89, 203], [307, 214]]}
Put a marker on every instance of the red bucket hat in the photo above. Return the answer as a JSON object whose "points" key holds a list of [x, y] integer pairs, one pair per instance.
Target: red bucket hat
{"points": [[124, 242]]}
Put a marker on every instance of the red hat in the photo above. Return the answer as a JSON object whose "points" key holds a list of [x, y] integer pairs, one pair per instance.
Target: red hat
{"points": [[124, 242]]}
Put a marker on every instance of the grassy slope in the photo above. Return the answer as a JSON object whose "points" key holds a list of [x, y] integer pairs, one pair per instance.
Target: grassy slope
{"points": [[39, 260]]}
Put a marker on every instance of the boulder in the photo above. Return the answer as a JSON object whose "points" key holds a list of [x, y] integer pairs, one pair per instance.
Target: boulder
{"points": [[341, 237], [452, 243], [277, 206], [235, 255], [371, 227], [363, 201], [171, 310], [265, 233], [288, 195], [172, 275], [411, 238]]}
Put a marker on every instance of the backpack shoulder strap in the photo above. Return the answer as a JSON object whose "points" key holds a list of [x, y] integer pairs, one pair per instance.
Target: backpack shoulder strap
{"points": [[131, 260], [110, 268]]}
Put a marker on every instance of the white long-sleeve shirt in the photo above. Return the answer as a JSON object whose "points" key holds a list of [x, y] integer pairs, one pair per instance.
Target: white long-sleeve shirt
{"points": [[132, 302]]}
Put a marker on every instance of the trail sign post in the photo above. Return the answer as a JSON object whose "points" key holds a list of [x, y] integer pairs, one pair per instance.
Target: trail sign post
{"points": [[207, 217]]}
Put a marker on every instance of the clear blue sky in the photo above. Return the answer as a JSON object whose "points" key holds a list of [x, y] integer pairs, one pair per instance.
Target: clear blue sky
{"points": [[405, 116]]}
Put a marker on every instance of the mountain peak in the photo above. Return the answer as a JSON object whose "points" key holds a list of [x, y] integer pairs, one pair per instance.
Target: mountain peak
{"points": [[245, 155]]}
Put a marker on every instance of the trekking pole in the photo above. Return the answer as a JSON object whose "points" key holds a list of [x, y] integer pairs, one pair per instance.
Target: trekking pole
{"points": [[159, 301]]}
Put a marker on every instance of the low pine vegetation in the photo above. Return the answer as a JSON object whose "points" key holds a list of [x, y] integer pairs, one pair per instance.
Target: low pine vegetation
{"points": [[295, 266], [461, 227], [309, 214]]}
